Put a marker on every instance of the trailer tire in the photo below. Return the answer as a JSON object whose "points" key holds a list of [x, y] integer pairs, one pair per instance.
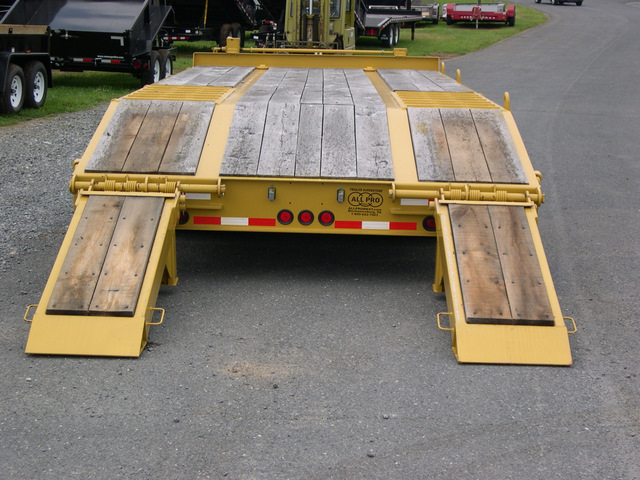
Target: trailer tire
{"points": [[388, 42], [36, 82], [238, 32], [154, 71], [166, 63], [538, 1], [225, 31], [450, 20], [511, 21], [12, 99], [396, 33]]}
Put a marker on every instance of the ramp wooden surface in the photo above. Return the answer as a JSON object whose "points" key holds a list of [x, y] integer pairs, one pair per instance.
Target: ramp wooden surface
{"points": [[305, 123], [464, 145], [106, 263], [153, 136], [499, 270]]}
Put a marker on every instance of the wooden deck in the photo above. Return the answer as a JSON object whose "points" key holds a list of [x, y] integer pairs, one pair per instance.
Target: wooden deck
{"points": [[153, 136], [106, 263], [305, 123], [209, 76], [500, 277]]}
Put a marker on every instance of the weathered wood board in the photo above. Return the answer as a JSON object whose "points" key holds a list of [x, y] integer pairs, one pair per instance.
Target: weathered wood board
{"points": [[463, 145], [216, 76], [153, 136], [303, 123], [126, 261], [105, 265], [500, 277], [420, 81]]}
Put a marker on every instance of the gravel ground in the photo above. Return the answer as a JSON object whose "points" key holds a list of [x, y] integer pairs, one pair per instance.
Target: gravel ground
{"points": [[35, 166]]}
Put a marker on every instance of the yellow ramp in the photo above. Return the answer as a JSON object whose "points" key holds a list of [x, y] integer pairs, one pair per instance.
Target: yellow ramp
{"points": [[100, 296], [502, 305]]}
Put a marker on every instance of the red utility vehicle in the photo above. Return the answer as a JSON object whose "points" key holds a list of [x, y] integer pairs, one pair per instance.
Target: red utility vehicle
{"points": [[481, 12]]}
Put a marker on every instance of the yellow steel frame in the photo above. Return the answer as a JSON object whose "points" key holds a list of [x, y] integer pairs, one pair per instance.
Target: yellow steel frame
{"points": [[108, 335]]}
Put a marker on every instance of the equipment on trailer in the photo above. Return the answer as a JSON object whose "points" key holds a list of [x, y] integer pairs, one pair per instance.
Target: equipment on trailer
{"points": [[332, 143], [481, 13], [562, 2]]}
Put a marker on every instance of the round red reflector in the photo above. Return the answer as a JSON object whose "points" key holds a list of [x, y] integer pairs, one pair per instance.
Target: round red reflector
{"points": [[429, 224], [184, 217], [285, 217], [326, 218], [305, 217]]}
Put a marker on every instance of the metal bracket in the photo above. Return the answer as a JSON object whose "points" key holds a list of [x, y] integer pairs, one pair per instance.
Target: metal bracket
{"points": [[26, 314], [573, 322], [446, 329]]}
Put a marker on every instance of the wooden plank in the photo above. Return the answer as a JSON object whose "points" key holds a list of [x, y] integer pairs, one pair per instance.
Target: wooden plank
{"points": [[526, 291], [233, 77], [430, 147], [446, 83], [338, 142], [397, 80], [244, 144], [373, 146], [309, 141], [484, 294], [314, 86], [279, 144], [116, 141], [242, 152], [126, 261], [290, 88], [187, 139], [467, 157], [83, 261], [335, 89], [148, 148], [499, 150], [190, 76]]}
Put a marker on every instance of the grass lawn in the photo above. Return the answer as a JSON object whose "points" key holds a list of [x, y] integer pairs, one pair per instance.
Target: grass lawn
{"points": [[80, 91]]}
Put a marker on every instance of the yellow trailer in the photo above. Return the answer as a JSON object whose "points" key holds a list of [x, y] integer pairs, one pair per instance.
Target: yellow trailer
{"points": [[332, 143]]}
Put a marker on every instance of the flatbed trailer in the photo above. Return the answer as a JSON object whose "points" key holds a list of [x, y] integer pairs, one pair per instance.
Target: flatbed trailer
{"points": [[385, 24], [481, 13], [347, 144]]}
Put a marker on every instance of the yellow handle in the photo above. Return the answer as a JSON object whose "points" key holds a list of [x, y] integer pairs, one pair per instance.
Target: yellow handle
{"points": [[447, 329], [575, 328], [26, 314], [157, 309]]}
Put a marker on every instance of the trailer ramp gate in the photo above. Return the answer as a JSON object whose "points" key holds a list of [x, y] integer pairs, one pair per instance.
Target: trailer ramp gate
{"points": [[100, 296], [502, 306]]}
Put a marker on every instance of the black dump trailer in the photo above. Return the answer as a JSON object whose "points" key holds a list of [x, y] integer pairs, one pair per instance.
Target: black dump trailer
{"points": [[210, 20], [114, 35], [25, 66]]}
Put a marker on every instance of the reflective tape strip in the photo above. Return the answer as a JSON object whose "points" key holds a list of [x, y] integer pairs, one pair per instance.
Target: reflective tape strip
{"points": [[235, 221], [369, 225]]}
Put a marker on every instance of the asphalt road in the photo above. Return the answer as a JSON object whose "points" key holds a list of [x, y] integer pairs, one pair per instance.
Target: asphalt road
{"points": [[319, 357]]}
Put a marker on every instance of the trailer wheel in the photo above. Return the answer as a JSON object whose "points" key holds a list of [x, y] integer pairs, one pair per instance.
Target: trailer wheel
{"points": [[512, 21], [450, 20], [152, 74], [225, 31], [396, 34], [36, 84], [538, 1], [166, 63], [238, 32], [388, 42], [12, 99]]}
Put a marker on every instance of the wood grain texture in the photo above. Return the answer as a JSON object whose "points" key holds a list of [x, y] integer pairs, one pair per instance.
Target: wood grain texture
{"points": [[83, 262], [526, 291], [125, 264], [116, 141], [483, 290], [430, 147], [338, 142], [309, 141], [184, 148], [151, 142], [467, 157], [498, 147]]}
